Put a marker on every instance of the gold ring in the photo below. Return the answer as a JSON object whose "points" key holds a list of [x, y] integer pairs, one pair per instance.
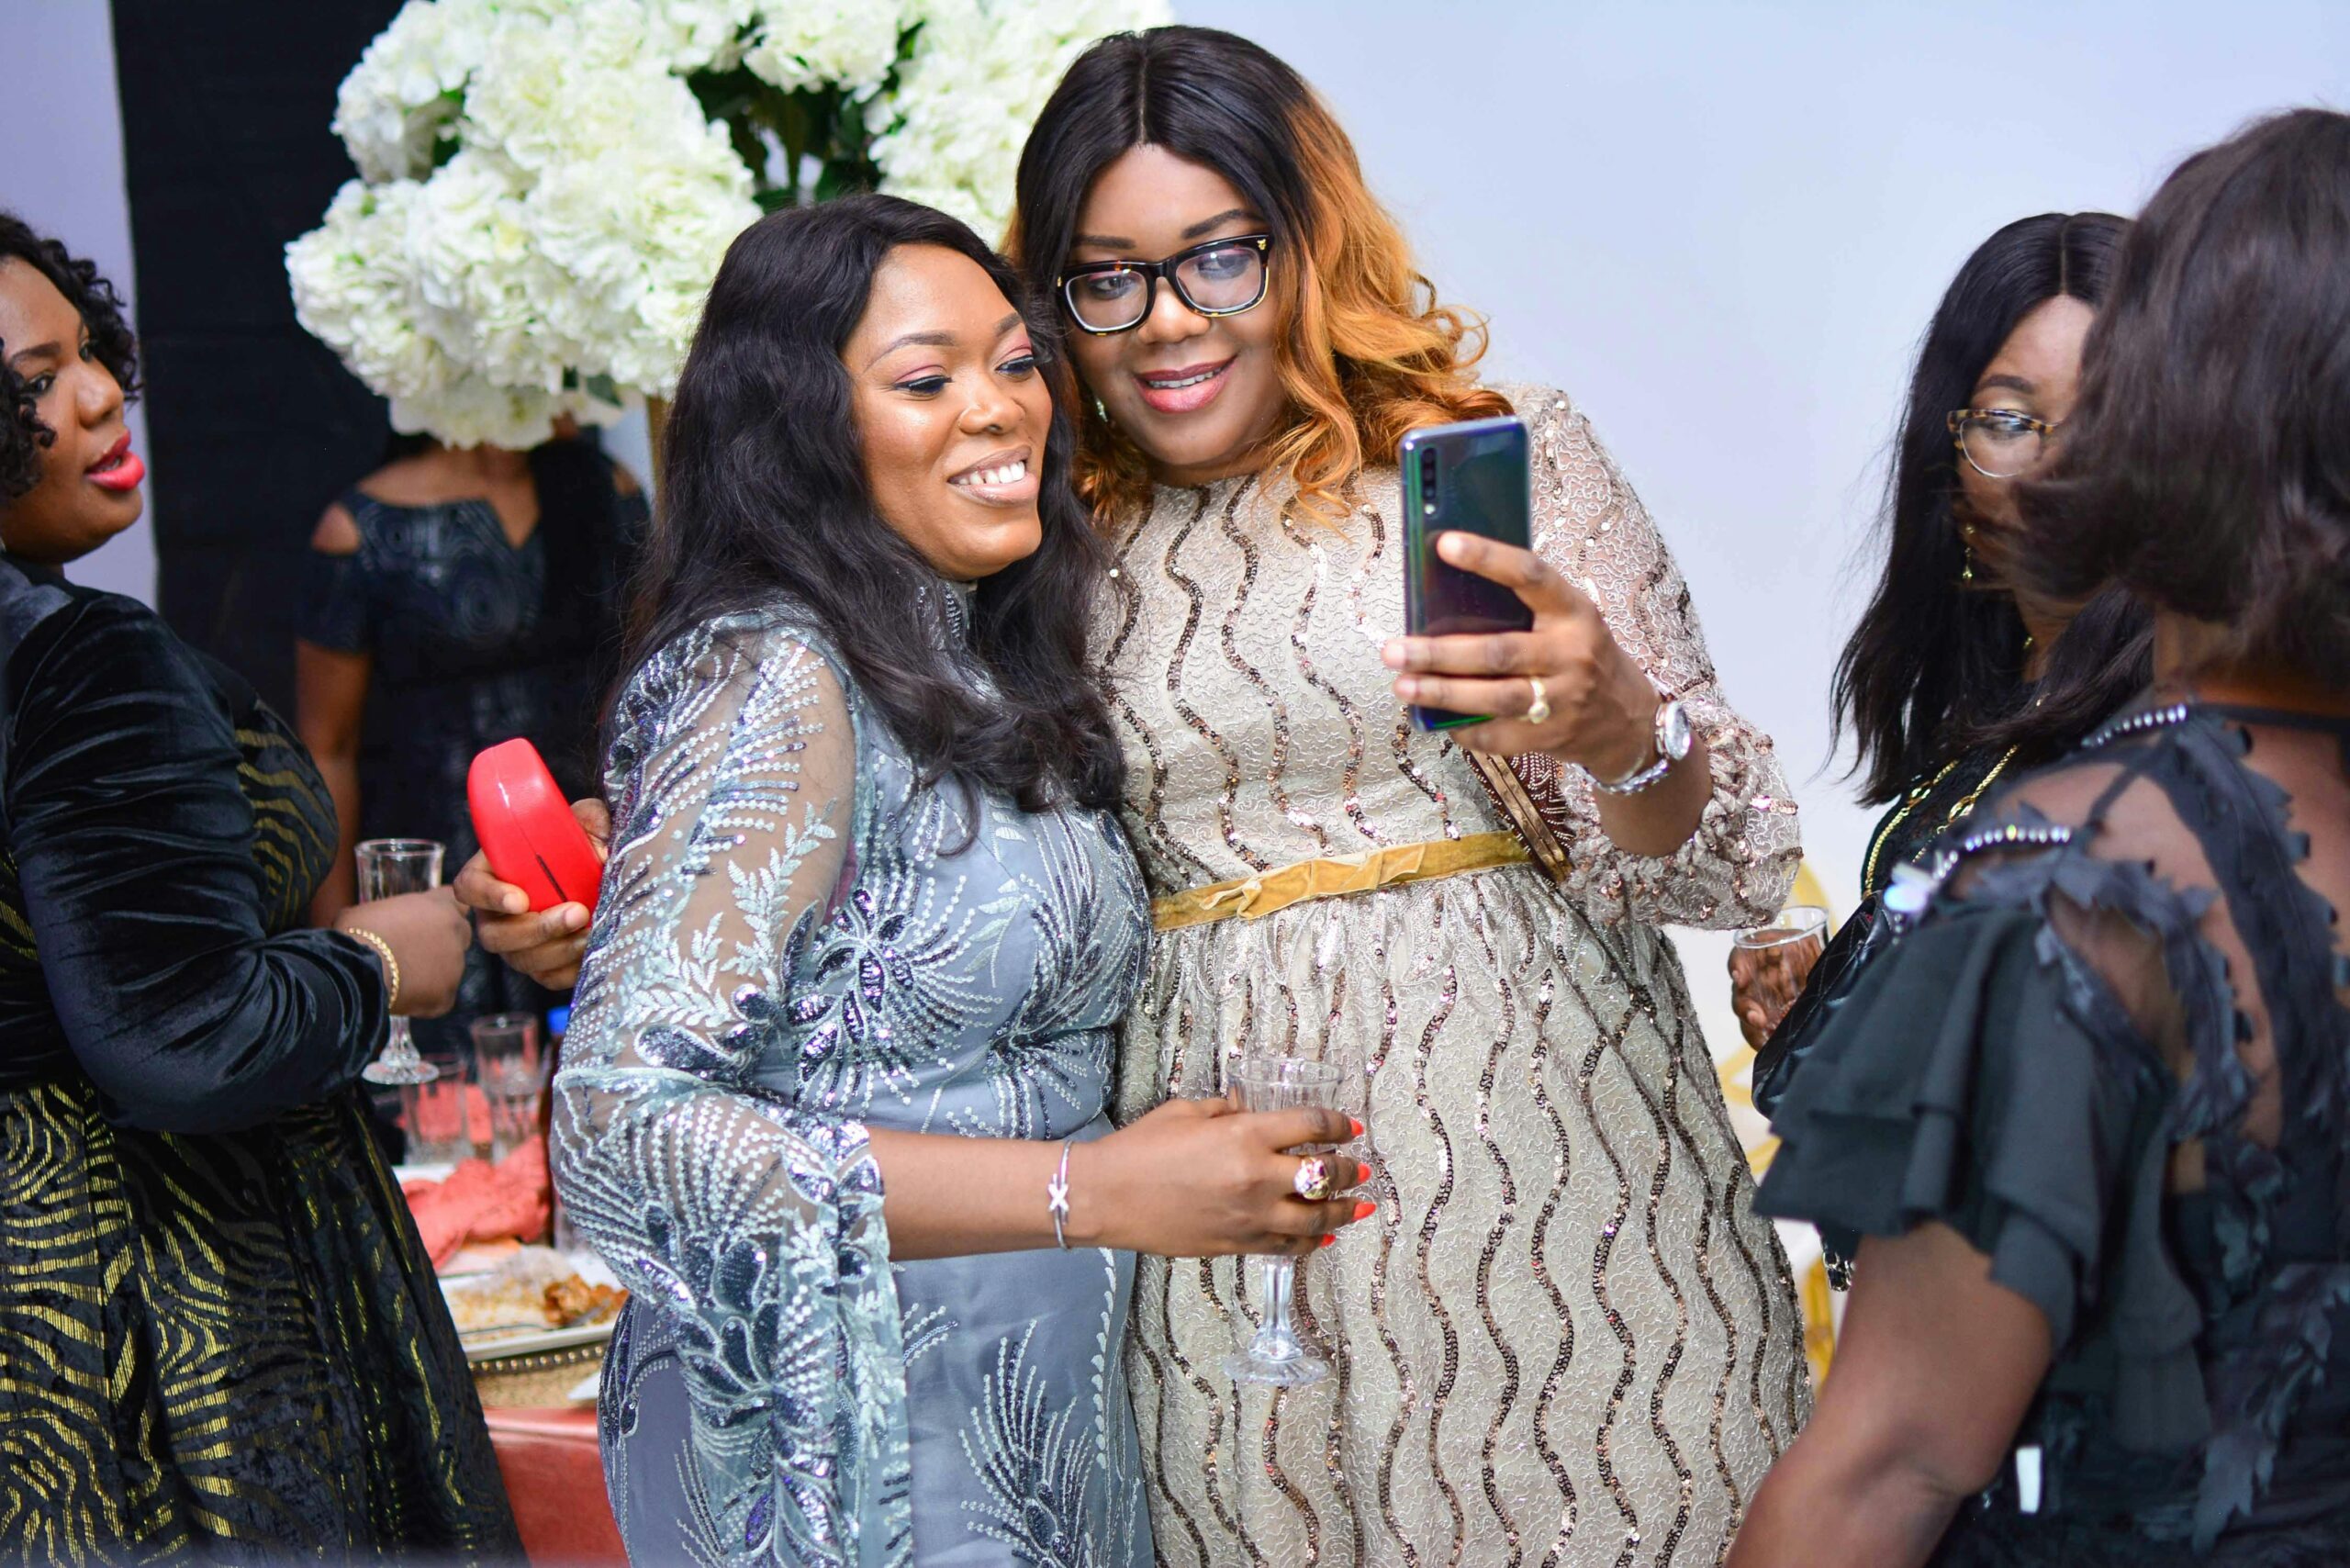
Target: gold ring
{"points": [[1312, 1179], [1538, 712]]}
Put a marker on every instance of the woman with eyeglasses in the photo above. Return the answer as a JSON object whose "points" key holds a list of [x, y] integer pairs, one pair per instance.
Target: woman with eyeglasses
{"points": [[1960, 671], [2091, 1111], [1567, 1335], [834, 1096], [1567, 1338]]}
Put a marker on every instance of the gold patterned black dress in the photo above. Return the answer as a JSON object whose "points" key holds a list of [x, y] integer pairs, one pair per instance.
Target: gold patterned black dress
{"points": [[220, 1339]]}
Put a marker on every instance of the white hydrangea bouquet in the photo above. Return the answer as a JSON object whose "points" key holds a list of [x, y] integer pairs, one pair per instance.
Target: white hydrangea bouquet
{"points": [[546, 186]]}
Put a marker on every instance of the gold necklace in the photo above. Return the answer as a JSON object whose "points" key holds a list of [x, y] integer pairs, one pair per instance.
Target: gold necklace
{"points": [[1917, 796]]}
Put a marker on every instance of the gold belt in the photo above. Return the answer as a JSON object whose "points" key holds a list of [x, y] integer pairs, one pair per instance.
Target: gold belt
{"points": [[1253, 898]]}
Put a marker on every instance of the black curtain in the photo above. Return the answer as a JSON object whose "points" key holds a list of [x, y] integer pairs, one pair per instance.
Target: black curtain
{"points": [[252, 425]]}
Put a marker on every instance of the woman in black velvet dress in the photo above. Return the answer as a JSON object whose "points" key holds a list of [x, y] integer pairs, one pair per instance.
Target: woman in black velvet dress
{"points": [[2091, 1111], [220, 1339]]}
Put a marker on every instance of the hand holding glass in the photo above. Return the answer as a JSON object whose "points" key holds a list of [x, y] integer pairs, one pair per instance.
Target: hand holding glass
{"points": [[1276, 1354], [388, 866], [1781, 956]]}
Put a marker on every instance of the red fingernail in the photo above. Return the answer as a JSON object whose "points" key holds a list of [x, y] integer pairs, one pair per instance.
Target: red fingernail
{"points": [[1364, 1211], [1327, 1240], [1357, 1126]]}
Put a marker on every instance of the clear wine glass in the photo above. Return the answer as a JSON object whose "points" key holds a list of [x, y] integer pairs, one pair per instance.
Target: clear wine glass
{"points": [[1277, 1354], [387, 868], [1784, 952], [512, 1070]]}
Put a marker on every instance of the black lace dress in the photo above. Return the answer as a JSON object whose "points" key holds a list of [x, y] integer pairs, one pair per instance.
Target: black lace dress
{"points": [[2114, 1054], [219, 1338]]}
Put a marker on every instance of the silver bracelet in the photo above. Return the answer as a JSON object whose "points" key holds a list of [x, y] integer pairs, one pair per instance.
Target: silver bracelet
{"points": [[1056, 1198], [1645, 776]]}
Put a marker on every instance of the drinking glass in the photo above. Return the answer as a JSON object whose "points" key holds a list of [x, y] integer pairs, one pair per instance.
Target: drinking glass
{"points": [[511, 1069], [387, 868], [1784, 952], [434, 1112], [1276, 1354]]}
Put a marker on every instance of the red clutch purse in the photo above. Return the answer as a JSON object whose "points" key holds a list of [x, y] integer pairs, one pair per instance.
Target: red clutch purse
{"points": [[527, 830]]}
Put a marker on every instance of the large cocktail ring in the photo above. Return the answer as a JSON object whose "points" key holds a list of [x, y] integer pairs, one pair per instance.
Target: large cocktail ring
{"points": [[1537, 709], [1312, 1179]]}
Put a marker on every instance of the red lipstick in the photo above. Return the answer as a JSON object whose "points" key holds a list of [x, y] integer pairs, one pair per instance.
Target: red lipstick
{"points": [[119, 469]]}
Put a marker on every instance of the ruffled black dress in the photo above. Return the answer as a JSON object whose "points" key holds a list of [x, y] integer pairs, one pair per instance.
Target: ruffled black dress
{"points": [[2115, 1056], [220, 1341]]}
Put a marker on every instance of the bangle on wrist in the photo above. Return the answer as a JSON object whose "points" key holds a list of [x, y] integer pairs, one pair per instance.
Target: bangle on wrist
{"points": [[1056, 1198], [391, 963]]}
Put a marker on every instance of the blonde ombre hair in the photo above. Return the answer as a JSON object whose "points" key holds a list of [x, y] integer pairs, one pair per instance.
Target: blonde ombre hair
{"points": [[1368, 354]]}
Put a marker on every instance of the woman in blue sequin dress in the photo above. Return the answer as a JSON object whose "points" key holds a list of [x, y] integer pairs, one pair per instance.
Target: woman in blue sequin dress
{"points": [[833, 1100]]}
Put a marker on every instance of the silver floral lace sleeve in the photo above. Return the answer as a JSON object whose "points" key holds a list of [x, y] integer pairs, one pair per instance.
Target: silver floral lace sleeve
{"points": [[1737, 868], [751, 1223]]}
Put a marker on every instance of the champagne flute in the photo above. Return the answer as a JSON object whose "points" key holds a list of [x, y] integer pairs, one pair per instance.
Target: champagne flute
{"points": [[1276, 1354], [387, 868]]}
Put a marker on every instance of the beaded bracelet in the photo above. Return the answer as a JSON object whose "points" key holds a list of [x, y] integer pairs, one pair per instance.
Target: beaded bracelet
{"points": [[391, 963]]}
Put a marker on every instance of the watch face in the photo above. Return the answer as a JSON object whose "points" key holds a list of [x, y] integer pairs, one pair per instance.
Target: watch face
{"points": [[1675, 734]]}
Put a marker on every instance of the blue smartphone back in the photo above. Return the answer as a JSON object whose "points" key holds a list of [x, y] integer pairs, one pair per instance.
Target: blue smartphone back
{"points": [[1473, 478]]}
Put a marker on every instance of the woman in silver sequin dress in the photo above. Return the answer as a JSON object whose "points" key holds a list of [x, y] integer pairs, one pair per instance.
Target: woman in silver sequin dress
{"points": [[1568, 1339], [836, 1077]]}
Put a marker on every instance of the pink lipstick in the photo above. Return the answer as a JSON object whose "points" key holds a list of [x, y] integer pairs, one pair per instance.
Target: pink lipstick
{"points": [[119, 469]]}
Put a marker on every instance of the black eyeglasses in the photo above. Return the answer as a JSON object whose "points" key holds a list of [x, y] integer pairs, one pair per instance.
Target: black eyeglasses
{"points": [[1222, 277], [1999, 444]]}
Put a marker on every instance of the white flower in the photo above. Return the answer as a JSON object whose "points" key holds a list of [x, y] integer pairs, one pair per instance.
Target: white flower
{"points": [[403, 93], [352, 289], [574, 87], [699, 35], [637, 234], [950, 133], [542, 203], [819, 43]]}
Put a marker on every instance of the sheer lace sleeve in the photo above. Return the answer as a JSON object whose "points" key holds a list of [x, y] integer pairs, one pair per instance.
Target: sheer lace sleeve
{"points": [[1737, 868], [2109, 1056], [752, 1220]]}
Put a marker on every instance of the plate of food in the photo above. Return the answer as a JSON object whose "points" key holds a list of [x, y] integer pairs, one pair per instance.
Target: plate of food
{"points": [[537, 1300]]}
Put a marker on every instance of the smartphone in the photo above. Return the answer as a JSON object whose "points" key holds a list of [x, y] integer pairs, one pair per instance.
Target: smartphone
{"points": [[1471, 478]]}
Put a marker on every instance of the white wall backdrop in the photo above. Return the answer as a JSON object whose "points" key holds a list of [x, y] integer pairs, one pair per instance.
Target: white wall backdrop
{"points": [[1722, 227], [62, 173]]}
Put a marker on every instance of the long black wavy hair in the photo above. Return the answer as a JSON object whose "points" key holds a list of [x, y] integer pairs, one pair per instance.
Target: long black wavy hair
{"points": [[1935, 667], [22, 435], [763, 497]]}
